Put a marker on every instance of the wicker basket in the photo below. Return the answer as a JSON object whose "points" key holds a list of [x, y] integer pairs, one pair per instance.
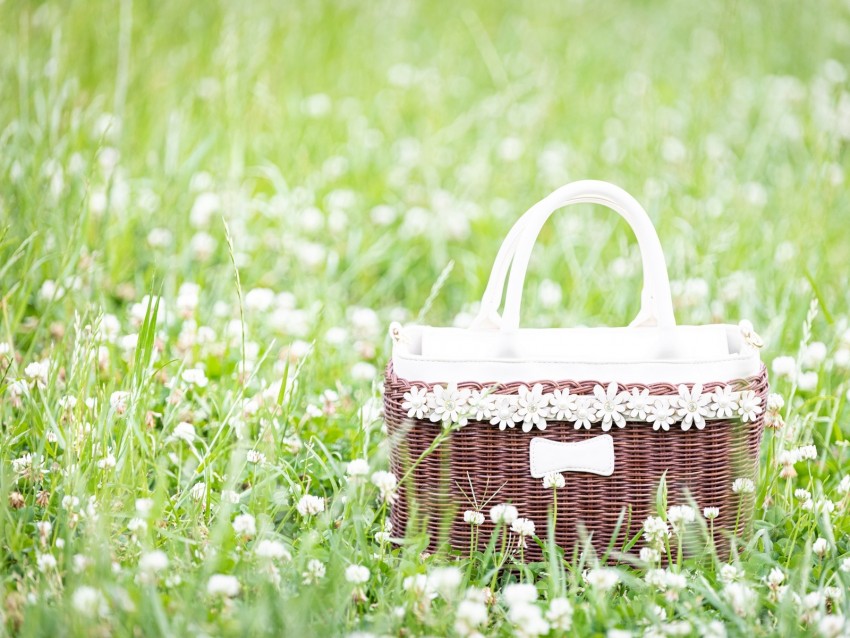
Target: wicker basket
{"points": [[480, 459], [682, 402]]}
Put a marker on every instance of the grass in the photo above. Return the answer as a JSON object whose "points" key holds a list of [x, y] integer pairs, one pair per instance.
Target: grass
{"points": [[313, 169]]}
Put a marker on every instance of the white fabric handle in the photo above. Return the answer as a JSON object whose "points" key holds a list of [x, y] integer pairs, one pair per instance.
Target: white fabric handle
{"points": [[515, 252]]}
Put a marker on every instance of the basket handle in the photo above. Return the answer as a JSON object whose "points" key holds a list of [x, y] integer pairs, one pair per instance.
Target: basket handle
{"points": [[515, 253]]}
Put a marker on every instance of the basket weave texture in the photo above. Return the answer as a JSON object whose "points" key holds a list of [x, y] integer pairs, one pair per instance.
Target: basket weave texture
{"points": [[494, 465]]}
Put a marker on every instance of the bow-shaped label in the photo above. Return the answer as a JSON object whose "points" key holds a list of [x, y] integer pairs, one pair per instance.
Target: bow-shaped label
{"points": [[594, 456]]}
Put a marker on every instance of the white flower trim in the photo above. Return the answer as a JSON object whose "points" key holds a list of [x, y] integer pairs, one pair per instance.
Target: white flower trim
{"points": [[530, 407]]}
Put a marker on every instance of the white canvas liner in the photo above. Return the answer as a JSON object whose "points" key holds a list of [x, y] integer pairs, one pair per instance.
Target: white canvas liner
{"points": [[653, 349]]}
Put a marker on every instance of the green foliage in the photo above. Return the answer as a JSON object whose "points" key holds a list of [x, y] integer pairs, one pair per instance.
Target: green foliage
{"points": [[285, 180]]}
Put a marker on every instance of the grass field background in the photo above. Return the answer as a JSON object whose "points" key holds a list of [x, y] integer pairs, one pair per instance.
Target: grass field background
{"points": [[340, 156]]}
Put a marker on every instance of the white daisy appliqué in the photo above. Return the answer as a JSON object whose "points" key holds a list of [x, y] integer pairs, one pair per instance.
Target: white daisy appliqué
{"points": [[583, 413], [416, 403], [449, 404], [692, 406], [480, 405], [504, 412], [723, 402], [563, 405], [637, 403], [609, 406], [749, 406], [532, 407], [661, 415]]}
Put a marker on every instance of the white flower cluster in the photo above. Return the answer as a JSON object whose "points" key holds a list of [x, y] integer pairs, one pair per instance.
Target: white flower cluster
{"points": [[531, 407]]}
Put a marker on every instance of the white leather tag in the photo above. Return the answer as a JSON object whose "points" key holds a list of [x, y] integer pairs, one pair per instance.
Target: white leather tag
{"points": [[594, 456]]}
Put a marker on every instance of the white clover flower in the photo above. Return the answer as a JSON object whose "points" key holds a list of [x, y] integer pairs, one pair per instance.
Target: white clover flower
{"points": [[416, 403], [387, 483], [602, 579], [560, 614], [357, 469], [524, 527], [610, 406], [743, 486], [503, 513], [44, 528], [229, 496], [563, 405], [528, 621], [198, 491], [805, 453], [655, 530], [832, 625], [680, 516], [309, 505], [844, 485], [775, 578], [637, 403], [650, 555], [532, 407], [89, 601], [692, 406], [144, 506], [418, 586], [119, 401], [363, 371], [37, 372], [730, 573], [469, 617], [667, 582], [802, 495], [813, 355], [519, 594], [223, 585], [742, 598], [808, 381], [473, 518], [153, 562], [184, 431], [504, 412], [45, 562], [68, 402], [554, 480], [710, 513], [108, 462], [195, 377], [661, 414], [136, 525], [775, 402], [445, 581], [820, 547], [259, 299], [255, 457], [315, 572], [784, 367], [845, 565], [356, 574], [245, 525], [448, 404]]}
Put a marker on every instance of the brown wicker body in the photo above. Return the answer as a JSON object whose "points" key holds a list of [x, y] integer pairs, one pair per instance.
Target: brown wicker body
{"points": [[482, 459]]}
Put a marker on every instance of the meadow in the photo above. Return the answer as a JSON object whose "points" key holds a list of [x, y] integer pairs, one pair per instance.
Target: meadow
{"points": [[210, 213]]}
